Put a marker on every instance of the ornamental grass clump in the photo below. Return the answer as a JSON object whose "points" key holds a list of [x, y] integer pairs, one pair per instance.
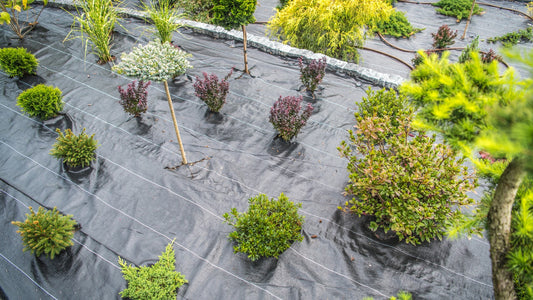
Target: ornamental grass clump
{"points": [[164, 16], [96, 23], [159, 281], [268, 228], [41, 101], [405, 180], [75, 150], [212, 91], [46, 231], [134, 98], [17, 62], [287, 116], [312, 74], [444, 37]]}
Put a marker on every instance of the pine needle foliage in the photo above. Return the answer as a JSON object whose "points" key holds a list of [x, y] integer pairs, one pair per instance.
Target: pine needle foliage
{"points": [[452, 98], [268, 228], [46, 231], [41, 101], [513, 38], [17, 62], [75, 150], [158, 282], [95, 23], [457, 8], [334, 28], [466, 53]]}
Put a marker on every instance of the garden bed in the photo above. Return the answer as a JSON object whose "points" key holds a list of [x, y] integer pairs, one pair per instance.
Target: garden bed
{"points": [[134, 201]]}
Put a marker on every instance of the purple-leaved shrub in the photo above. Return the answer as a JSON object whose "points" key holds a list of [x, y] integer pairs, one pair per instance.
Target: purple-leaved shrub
{"points": [[133, 99], [312, 74], [444, 37], [288, 117], [212, 91]]}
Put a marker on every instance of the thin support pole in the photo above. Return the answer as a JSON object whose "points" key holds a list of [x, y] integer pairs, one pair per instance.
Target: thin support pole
{"points": [[183, 157], [245, 51], [469, 17]]}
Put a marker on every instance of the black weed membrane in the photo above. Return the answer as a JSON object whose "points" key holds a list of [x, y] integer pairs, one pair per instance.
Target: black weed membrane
{"points": [[133, 200]]}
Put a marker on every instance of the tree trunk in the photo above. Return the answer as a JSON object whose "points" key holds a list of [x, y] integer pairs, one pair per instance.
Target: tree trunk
{"points": [[245, 51], [183, 157], [499, 221]]}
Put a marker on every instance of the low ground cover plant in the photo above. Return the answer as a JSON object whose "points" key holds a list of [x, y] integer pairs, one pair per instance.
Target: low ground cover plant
{"points": [[95, 24], [17, 62], [457, 8], [41, 101], [311, 74], [212, 91], [513, 38], [75, 150], [134, 98], [159, 281], [268, 228], [46, 231], [335, 28], [444, 37], [405, 180], [287, 116], [397, 26]]}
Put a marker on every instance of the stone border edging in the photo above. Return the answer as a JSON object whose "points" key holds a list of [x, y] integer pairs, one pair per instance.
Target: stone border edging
{"points": [[266, 45]]}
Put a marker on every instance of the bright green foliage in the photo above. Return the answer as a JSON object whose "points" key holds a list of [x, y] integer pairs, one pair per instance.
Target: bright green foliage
{"points": [[384, 103], [17, 62], [197, 10], [46, 231], [11, 13], [232, 14], [164, 17], [335, 28], [513, 38], [410, 184], [154, 61], [95, 24], [521, 255], [268, 227], [452, 98], [397, 25], [457, 8], [156, 282], [401, 296], [41, 101], [75, 150], [466, 53], [282, 4]]}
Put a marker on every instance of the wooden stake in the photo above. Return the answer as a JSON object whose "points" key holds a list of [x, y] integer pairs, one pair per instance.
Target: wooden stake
{"points": [[183, 157], [245, 54], [469, 17]]}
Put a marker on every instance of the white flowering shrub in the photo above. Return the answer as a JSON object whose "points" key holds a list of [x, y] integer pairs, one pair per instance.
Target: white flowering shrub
{"points": [[154, 61]]}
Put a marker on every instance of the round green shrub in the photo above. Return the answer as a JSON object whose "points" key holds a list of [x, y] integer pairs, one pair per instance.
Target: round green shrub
{"points": [[17, 62], [159, 281], [46, 231], [268, 227], [41, 101], [75, 150]]}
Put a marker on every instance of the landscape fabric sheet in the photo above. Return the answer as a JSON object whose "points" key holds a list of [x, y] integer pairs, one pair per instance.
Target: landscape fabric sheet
{"points": [[133, 201]]}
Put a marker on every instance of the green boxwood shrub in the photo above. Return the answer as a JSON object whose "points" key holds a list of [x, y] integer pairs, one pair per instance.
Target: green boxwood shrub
{"points": [[406, 181], [75, 150], [41, 101], [268, 228], [17, 62], [159, 281], [46, 231], [457, 8]]}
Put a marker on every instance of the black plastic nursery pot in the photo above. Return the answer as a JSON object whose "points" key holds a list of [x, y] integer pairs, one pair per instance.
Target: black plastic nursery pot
{"points": [[134, 201]]}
